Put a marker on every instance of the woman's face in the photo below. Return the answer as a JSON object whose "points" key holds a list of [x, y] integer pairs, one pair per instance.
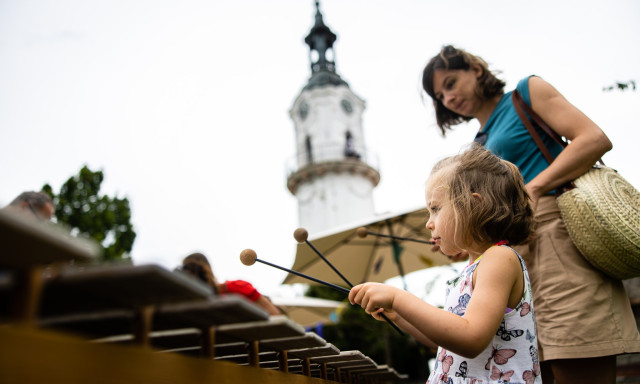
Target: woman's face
{"points": [[456, 90]]}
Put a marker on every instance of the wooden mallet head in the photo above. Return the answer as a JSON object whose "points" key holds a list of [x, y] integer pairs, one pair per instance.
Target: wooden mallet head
{"points": [[248, 257], [301, 235]]}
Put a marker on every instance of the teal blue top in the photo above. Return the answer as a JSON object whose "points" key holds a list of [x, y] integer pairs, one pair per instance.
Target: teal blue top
{"points": [[508, 138]]}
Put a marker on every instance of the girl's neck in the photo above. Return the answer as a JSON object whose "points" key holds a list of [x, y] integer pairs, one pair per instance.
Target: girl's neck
{"points": [[484, 113], [474, 255]]}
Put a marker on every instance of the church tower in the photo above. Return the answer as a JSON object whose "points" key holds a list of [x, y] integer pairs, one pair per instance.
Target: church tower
{"points": [[332, 175]]}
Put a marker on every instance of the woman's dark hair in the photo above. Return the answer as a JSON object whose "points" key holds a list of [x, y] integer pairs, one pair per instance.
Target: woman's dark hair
{"points": [[451, 58], [197, 265]]}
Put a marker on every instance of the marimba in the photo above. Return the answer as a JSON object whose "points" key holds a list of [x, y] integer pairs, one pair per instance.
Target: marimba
{"points": [[66, 320]]}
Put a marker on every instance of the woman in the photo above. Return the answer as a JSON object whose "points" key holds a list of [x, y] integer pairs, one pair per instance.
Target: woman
{"points": [[583, 317]]}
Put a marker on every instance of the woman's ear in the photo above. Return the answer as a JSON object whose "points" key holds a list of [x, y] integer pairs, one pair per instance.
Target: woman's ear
{"points": [[476, 69], [477, 196]]}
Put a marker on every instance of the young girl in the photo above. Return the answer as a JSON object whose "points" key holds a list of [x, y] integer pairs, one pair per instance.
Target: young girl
{"points": [[486, 332]]}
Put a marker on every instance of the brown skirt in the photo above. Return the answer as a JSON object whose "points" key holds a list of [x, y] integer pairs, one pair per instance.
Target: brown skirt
{"points": [[580, 312]]}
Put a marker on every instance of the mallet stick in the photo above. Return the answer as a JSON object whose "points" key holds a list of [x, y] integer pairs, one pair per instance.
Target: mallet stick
{"points": [[362, 232], [249, 257], [301, 235]]}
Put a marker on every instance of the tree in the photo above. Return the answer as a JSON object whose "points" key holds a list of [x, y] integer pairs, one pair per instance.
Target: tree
{"points": [[107, 220], [621, 86]]}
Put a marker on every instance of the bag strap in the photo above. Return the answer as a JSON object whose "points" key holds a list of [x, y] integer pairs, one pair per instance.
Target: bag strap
{"points": [[521, 106]]}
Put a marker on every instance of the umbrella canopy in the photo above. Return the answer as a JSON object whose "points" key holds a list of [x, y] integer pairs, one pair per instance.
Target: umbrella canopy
{"points": [[372, 258], [309, 311]]}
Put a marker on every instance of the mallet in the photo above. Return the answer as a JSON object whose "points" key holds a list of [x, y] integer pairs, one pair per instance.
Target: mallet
{"points": [[249, 257], [362, 232], [301, 235]]}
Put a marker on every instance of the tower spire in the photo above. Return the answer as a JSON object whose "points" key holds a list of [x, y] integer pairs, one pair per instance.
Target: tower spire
{"points": [[321, 54]]}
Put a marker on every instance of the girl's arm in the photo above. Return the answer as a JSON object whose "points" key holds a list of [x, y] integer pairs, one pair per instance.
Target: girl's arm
{"points": [[467, 335], [588, 143]]}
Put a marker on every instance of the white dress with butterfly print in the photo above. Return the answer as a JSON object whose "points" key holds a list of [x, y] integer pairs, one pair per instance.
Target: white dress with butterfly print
{"points": [[512, 355]]}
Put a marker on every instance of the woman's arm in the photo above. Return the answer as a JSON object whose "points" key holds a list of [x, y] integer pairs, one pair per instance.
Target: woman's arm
{"points": [[466, 335], [588, 143], [268, 306]]}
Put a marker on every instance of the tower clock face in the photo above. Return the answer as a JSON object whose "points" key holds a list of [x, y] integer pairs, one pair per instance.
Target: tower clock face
{"points": [[303, 110], [346, 106]]}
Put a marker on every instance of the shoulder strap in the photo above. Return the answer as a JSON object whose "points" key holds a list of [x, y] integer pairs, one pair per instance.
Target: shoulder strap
{"points": [[519, 101], [520, 106]]}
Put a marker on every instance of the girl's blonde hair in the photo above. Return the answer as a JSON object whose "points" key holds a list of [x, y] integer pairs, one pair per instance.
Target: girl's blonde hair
{"points": [[502, 213]]}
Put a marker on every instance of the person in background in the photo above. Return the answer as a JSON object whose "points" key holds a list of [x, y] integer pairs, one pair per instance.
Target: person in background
{"points": [[37, 203], [584, 318], [198, 265]]}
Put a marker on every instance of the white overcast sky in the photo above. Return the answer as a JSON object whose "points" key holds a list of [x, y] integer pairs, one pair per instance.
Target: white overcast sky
{"points": [[184, 104]]}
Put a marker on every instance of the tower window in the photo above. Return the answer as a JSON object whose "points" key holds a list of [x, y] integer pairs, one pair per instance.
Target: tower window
{"points": [[307, 145], [349, 148]]}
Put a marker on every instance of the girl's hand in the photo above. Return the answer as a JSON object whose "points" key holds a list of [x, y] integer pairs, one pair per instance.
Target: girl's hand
{"points": [[391, 315], [373, 296]]}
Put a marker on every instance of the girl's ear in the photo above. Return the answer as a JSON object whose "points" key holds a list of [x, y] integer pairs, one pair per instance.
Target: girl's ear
{"points": [[477, 196]]}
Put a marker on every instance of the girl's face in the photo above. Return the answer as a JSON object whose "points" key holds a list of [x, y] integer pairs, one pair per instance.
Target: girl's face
{"points": [[456, 89], [441, 222]]}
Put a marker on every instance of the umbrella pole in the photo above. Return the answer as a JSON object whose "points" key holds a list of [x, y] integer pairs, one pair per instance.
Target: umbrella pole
{"points": [[363, 232], [397, 250], [396, 256]]}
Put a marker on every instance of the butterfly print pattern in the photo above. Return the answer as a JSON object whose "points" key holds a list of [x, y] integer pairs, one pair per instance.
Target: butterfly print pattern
{"points": [[461, 308], [530, 336], [500, 356], [533, 351], [497, 374], [506, 335], [468, 282], [510, 357], [462, 370], [441, 355], [529, 376]]}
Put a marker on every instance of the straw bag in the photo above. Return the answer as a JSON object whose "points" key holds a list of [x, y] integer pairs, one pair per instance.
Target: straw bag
{"points": [[600, 209]]}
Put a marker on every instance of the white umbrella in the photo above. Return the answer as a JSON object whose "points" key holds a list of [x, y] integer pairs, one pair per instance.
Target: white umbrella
{"points": [[373, 258], [309, 311]]}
